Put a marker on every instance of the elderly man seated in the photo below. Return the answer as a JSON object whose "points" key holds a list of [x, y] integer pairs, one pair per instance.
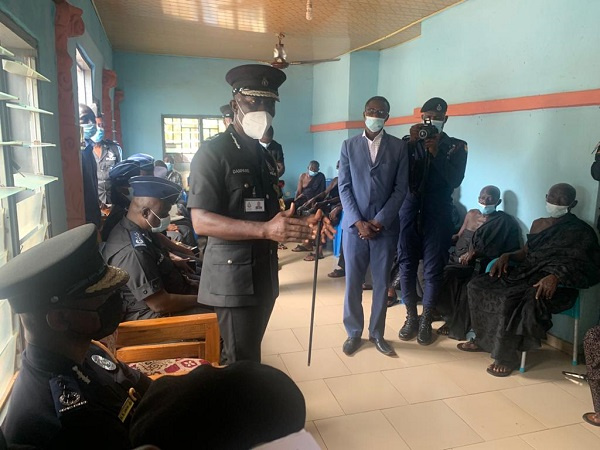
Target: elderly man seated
{"points": [[511, 307], [158, 285], [484, 235]]}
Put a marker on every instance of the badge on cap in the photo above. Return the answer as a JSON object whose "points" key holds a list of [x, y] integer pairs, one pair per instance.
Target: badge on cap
{"points": [[105, 363], [438, 107], [265, 82]]}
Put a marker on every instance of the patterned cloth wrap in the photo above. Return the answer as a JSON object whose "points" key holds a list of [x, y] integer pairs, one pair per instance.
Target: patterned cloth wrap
{"points": [[168, 366]]}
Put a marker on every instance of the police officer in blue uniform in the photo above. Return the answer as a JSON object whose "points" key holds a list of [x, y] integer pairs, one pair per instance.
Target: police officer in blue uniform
{"points": [[69, 392], [233, 200], [157, 285], [437, 167]]}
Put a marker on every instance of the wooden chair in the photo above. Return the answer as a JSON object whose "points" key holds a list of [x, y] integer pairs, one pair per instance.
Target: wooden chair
{"points": [[169, 338]]}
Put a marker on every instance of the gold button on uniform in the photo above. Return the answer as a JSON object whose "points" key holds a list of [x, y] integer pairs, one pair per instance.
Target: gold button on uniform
{"points": [[229, 261], [246, 185]]}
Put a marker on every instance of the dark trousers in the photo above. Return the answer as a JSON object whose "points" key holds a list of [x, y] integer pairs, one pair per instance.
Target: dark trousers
{"points": [[242, 329], [359, 254], [432, 246]]}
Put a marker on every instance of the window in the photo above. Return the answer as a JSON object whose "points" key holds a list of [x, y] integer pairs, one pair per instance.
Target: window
{"points": [[23, 209], [84, 79], [184, 134]]}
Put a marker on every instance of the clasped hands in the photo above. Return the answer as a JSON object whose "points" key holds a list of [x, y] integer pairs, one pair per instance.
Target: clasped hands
{"points": [[368, 229]]}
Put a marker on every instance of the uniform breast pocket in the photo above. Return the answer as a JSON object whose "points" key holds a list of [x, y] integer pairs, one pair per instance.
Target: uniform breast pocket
{"points": [[241, 187], [231, 269]]}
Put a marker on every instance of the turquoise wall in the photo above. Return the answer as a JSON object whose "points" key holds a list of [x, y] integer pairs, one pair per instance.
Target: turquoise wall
{"points": [[36, 17], [483, 50], [156, 85]]}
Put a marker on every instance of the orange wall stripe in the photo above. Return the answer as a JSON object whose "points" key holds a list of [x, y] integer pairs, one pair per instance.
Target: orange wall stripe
{"points": [[589, 97]]}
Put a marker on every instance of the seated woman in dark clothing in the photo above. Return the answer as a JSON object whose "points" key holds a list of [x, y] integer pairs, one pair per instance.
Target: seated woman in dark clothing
{"points": [[484, 235], [511, 307], [591, 349]]}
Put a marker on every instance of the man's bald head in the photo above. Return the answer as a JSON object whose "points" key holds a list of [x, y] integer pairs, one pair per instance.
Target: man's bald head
{"points": [[562, 194], [489, 195]]}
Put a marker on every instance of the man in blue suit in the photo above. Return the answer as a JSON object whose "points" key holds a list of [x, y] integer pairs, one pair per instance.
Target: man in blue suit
{"points": [[373, 181]]}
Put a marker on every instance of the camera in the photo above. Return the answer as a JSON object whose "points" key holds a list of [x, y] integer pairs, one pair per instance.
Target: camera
{"points": [[427, 130]]}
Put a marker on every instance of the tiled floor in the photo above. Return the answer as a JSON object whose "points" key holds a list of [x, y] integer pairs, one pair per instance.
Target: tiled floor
{"points": [[434, 397]]}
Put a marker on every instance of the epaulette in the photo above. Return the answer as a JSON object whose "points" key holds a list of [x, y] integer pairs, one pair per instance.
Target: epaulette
{"points": [[66, 394], [137, 239]]}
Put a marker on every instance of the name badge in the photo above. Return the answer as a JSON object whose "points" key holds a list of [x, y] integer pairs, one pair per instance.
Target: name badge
{"points": [[254, 205]]}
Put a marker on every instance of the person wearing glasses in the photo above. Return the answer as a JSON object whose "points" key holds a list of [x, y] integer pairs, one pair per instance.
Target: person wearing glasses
{"points": [[372, 181]]}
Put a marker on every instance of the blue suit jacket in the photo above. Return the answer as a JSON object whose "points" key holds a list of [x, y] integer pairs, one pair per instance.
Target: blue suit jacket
{"points": [[373, 190]]}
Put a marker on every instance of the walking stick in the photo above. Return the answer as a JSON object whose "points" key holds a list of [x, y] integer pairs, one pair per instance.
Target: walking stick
{"points": [[314, 289]]}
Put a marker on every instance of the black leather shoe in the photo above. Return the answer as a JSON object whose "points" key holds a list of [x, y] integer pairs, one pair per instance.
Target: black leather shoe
{"points": [[425, 334], [351, 345], [410, 328], [382, 345]]}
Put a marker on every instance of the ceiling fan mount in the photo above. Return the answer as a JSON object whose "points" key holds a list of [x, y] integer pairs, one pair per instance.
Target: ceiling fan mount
{"points": [[280, 56]]}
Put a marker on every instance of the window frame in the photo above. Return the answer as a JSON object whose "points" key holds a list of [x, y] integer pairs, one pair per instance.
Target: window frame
{"points": [[199, 117]]}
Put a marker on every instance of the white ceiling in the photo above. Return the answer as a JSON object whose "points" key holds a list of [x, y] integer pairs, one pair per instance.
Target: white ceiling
{"points": [[246, 29]]}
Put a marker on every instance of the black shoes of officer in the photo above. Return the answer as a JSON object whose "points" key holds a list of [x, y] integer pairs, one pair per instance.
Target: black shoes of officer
{"points": [[383, 347], [425, 334], [351, 345], [411, 327]]}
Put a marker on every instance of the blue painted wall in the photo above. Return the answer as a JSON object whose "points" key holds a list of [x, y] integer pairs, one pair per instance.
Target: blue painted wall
{"points": [[156, 85], [36, 17], [482, 50]]}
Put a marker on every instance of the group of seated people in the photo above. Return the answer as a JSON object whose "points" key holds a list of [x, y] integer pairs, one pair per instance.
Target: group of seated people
{"points": [[509, 309]]}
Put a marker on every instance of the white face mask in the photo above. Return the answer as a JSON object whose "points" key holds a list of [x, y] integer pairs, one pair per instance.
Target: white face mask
{"points": [[486, 209], [374, 124], [254, 123], [264, 144], [164, 223], [439, 124], [556, 210]]}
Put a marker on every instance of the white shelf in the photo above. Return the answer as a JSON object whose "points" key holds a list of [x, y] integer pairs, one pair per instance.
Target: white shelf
{"points": [[27, 144], [28, 108], [32, 180], [18, 68], [5, 96], [8, 191], [5, 52]]}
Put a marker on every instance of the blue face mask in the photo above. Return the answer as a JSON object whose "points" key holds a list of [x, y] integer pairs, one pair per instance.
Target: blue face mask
{"points": [[486, 209], [89, 130], [311, 173], [374, 124], [99, 136], [169, 166]]}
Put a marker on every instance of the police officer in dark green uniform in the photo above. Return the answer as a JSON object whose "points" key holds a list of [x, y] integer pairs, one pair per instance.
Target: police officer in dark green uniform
{"points": [[234, 202], [158, 286], [69, 393]]}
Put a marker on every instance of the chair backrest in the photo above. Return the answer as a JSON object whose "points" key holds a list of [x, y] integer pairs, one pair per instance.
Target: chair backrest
{"points": [[195, 336]]}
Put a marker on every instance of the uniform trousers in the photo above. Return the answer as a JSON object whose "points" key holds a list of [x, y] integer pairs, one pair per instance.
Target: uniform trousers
{"points": [[242, 329], [358, 254], [432, 246]]}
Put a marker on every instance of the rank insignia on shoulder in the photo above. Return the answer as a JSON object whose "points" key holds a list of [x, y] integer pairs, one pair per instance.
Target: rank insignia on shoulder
{"points": [[137, 239], [103, 362], [66, 394]]}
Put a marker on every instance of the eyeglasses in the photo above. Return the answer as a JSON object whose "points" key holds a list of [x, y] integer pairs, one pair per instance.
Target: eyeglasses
{"points": [[376, 112]]}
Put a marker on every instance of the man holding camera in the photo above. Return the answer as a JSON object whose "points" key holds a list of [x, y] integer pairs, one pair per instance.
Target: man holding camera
{"points": [[437, 167]]}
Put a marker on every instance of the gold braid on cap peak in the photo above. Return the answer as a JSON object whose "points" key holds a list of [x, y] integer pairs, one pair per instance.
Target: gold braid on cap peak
{"points": [[256, 93]]}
